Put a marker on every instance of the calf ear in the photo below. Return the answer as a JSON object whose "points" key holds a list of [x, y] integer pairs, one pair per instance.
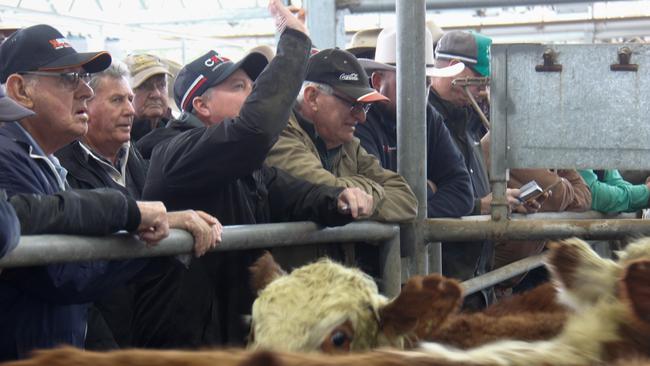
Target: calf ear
{"points": [[264, 271], [636, 288], [421, 307], [580, 274]]}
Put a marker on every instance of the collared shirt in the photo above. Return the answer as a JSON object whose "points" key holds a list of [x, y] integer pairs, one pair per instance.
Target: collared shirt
{"points": [[326, 155], [36, 152], [117, 172]]}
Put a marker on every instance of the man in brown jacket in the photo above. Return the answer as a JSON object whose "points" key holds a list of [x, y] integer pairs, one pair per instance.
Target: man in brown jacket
{"points": [[319, 144]]}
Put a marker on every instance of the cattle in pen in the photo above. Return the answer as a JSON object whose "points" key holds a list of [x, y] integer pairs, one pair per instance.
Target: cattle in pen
{"points": [[610, 322]]}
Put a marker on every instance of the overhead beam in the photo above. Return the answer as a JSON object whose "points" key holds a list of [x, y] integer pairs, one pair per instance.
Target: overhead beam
{"points": [[383, 6], [365, 6]]}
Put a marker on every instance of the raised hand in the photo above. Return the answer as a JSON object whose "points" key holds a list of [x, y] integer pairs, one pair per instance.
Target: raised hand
{"points": [[284, 18]]}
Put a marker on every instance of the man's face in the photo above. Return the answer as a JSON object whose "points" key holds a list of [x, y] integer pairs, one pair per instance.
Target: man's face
{"points": [[456, 94], [111, 114], [385, 82], [150, 100], [336, 119], [226, 99], [60, 106]]}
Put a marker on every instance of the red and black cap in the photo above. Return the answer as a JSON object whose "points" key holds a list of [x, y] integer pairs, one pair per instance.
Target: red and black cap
{"points": [[342, 71], [43, 48], [210, 70]]}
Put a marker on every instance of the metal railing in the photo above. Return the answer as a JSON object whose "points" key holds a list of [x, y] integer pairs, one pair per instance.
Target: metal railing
{"points": [[42, 249]]}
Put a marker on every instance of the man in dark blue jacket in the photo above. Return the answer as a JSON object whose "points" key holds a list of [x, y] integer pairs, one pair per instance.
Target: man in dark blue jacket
{"points": [[46, 306], [9, 226], [449, 192]]}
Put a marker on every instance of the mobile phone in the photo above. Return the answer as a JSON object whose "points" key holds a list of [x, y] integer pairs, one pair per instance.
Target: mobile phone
{"points": [[529, 191]]}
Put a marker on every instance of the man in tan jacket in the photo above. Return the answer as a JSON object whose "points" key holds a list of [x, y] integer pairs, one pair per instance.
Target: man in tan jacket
{"points": [[319, 144]]}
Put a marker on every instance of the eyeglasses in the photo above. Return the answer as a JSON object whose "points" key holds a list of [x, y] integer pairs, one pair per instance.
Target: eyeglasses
{"points": [[70, 79], [355, 107]]}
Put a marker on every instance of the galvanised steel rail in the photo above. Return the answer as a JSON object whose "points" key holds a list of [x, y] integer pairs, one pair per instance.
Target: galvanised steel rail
{"points": [[43, 249]]}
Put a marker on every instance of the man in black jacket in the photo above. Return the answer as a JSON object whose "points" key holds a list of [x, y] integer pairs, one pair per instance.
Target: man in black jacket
{"points": [[105, 157], [44, 306], [470, 52], [212, 159]]}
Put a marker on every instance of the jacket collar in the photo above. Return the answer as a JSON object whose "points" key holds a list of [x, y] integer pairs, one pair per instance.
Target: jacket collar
{"points": [[186, 121], [327, 156]]}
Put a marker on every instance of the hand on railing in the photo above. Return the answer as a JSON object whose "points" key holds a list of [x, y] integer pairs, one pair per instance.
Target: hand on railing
{"points": [[355, 202], [205, 228], [154, 225], [283, 17]]}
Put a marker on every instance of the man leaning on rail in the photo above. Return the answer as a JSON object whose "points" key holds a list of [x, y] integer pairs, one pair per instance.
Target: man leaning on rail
{"points": [[318, 145], [212, 159], [44, 306], [105, 157]]}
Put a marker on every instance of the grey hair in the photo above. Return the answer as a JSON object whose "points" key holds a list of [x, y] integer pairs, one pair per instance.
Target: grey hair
{"points": [[323, 87], [117, 70]]}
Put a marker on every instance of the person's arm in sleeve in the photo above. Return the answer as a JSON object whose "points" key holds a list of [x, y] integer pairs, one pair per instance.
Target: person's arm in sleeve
{"points": [[614, 194], [292, 154], [238, 146], [9, 226], [399, 203], [453, 195], [100, 211], [295, 199], [581, 193]]}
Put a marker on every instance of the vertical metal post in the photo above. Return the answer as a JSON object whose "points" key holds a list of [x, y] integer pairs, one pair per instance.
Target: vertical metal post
{"points": [[498, 132], [411, 123], [321, 20], [391, 266]]}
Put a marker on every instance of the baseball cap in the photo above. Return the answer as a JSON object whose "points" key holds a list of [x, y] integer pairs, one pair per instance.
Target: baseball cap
{"points": [[472, 49], [209, 70], [386, 55], [43, 48], [143, 66], [341, 70], [10, 110]]}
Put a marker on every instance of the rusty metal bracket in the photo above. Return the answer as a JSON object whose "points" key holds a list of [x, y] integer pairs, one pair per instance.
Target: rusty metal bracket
{"points": [[624, 56], [549, 65]]}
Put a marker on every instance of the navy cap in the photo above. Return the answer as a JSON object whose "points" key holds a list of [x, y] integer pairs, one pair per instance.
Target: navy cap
{"points": [[210, 70], [43, 48]]}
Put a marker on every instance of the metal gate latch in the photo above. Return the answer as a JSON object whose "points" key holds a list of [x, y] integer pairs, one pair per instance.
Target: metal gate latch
{"points": [[549, 65], [624, 56]]}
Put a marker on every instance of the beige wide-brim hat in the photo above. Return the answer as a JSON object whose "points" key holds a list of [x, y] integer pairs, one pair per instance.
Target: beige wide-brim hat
{"points": [[386, 56], [363, 41], [143, 66]]}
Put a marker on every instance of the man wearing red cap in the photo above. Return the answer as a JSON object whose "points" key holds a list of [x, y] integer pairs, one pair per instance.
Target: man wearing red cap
{"points": [[212, 158]]}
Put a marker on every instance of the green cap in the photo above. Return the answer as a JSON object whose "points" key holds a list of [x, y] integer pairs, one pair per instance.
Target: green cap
{"points": [[472, 49], [483, 44]]}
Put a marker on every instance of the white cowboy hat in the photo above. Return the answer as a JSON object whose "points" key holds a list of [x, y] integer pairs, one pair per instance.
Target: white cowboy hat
{"points": [[386, 56]]}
